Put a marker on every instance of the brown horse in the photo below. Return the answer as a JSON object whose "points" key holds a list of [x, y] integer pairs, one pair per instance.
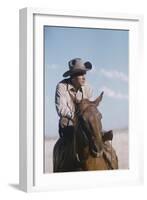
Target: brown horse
{"points": [[86, 150]]}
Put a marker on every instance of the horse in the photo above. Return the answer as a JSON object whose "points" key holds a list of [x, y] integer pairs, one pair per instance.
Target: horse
{"points": [[86, 150]]}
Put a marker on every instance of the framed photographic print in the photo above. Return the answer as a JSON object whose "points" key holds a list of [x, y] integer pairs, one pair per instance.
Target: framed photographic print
{"points": [[80, 80]]}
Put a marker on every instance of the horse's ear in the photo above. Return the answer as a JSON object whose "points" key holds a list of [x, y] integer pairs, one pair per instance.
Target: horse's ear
{"points": [[98, 99]]}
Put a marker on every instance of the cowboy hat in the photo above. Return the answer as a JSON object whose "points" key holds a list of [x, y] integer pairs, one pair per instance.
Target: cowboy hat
{"points": [[77, 65]]}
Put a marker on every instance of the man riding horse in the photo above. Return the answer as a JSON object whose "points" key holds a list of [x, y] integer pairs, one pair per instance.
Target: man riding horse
{"points": [[68, 92], [77, 87]]}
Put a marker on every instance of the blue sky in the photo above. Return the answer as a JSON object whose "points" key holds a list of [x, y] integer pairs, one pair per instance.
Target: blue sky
{"points": [[107, 50]]}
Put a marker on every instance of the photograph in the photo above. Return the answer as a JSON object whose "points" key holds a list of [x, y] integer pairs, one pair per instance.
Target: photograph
{"points": [[86, 99]]}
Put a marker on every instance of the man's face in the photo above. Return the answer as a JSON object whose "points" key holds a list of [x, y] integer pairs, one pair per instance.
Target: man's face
{"points": [[79, 80]]}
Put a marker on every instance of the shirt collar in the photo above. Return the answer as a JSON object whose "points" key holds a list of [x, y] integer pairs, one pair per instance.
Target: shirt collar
{"points": [[71, 87]]}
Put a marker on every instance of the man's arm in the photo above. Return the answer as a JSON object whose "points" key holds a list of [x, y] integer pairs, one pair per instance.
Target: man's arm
{"points": [[61, 102]]}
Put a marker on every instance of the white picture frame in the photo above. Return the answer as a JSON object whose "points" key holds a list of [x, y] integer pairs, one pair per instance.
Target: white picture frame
{"points": [[31, 174]]}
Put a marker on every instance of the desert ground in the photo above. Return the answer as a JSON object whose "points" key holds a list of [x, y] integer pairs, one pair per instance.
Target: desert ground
{"points": [[120, 143]]}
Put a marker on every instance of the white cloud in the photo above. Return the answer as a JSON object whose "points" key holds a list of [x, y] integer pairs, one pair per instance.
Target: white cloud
{"points": [[114, 74], [113, 94]]}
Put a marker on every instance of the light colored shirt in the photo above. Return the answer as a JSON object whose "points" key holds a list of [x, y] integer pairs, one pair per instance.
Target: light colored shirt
{"points": [[64, 104]]}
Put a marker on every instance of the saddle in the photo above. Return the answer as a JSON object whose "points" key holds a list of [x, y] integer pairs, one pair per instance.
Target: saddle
{"points": [[110, 156]]}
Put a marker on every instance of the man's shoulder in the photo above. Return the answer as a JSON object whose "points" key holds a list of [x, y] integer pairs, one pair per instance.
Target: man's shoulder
{"points": [[63, 83]]}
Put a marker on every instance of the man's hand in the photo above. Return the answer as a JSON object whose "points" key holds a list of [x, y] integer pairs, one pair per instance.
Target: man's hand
{"points": [[64, 122]]}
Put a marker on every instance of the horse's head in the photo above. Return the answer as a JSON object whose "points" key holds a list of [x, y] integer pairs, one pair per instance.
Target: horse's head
{"points": [[90, 120]]}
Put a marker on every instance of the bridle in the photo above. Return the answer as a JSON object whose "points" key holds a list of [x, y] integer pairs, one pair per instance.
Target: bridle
{"points": [[85, 127], [78, 115]]}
